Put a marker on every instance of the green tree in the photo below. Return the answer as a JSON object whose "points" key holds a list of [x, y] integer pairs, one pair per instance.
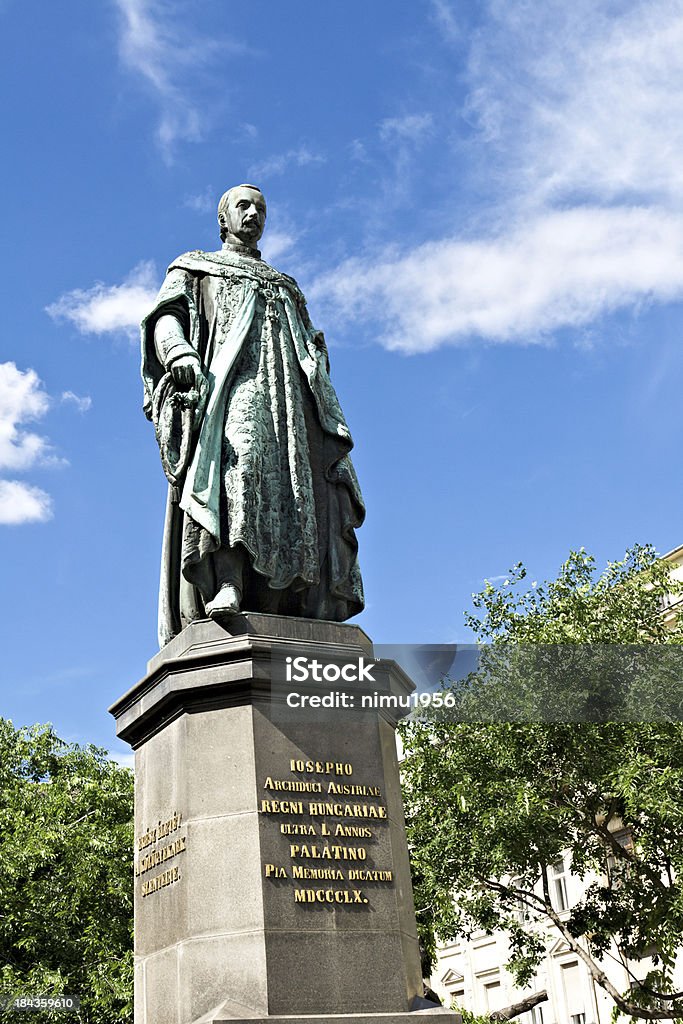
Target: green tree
{"points": [[492, 805], [66, 886]]}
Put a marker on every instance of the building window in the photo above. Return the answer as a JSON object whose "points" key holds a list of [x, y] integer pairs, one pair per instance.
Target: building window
{"points": [[572, 983], [520, 909], [489, 991], [536, 1015], [493, 994], [559, 885]]}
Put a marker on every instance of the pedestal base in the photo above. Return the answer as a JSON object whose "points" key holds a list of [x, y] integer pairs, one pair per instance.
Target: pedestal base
{"points": [[437, 1015], [272, 876]]}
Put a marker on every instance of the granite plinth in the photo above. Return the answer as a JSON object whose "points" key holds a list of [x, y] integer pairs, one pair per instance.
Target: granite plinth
{"points": [[436, 1015], [272, 874]]}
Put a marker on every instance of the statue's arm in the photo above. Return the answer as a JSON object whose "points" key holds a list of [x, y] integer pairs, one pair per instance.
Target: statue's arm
{"points": [[175, 352]]}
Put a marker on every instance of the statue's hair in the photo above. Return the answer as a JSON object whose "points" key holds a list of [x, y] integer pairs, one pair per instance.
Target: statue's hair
{"points": [[225, 199]]}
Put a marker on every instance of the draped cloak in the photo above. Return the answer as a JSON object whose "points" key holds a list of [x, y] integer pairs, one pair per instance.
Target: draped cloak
{"points": [[269, 467]]}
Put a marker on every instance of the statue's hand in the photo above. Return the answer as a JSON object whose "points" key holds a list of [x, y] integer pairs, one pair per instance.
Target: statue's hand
{"points": [[190, 380], [186, 372]]}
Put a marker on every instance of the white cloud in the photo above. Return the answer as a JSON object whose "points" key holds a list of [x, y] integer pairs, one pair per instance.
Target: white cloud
{"points": [[82, 402], [157, 42], [584, 101], [23, 503], [277, 244], [359, 151], [411, 128], [303, 156], [149, 47], [103, 309], [563, 268], [577, 149], [402, 138], [202, 202], [445, 18], [22, 399]]}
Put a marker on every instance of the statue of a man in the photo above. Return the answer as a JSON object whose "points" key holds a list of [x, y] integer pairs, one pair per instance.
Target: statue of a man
{"points": [[264, 502]]}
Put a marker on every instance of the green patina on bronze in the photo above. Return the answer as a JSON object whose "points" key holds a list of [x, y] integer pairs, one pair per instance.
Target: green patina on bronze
{"points": [[263, 498]]}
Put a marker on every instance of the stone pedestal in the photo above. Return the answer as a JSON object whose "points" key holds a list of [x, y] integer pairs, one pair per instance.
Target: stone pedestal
{"points": [[272, 877]]}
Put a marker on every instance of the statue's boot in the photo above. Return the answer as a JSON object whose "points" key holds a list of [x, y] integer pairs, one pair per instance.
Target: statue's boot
{"points": [[226, 602]]}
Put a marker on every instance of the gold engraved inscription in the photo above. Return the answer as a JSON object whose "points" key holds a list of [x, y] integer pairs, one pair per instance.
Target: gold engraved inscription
{"points": [[160, 881], [297, 829], [327, 852], [282, 807], [155, 854], [274, 871], [347, 810], [151, 860], [293, 785], [334, 859], [329, 896], [322, 767]]}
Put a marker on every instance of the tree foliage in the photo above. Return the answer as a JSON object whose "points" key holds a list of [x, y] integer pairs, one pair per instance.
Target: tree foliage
{"points": [[66, 889], [492, 805]]}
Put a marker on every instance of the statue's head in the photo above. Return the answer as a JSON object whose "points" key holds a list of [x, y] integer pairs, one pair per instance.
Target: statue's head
{"points": [[242, 215]]}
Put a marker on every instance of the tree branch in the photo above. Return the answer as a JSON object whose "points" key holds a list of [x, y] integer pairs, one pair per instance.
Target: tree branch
{"points": [[521, 1007], [622, 960], [599, 976]]}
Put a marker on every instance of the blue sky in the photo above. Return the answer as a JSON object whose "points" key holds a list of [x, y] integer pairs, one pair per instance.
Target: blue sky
{"points": [[483, 203]]}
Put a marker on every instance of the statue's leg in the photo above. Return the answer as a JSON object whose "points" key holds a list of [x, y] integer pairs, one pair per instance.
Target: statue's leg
{"points": [[228, 566]]}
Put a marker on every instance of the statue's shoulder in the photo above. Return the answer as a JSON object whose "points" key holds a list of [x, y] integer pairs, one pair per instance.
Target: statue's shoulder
{"points": [[231, 264], [196, 261]]}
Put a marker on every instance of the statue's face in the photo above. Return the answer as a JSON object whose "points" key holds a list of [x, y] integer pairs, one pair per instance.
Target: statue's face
{"points": [[245, 217]]}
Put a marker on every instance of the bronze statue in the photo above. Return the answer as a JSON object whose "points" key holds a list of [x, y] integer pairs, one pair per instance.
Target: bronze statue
{"points": [[263, 499]]}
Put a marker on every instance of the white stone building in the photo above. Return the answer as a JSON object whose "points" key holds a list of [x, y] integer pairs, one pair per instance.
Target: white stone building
{"points": [[471, 974]]}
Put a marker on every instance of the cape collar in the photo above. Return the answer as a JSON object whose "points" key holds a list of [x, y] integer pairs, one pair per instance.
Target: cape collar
{"points": [[227, 259]]}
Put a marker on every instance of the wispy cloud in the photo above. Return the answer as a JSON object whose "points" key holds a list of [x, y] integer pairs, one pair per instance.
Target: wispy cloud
{"points": [[358, 151], [302, 156], [276, 244], [410, 128], [104, 309], [157, 43], [201, 202], [444, 16], [22, 399], [578, 138], [82, 402], [599, 113], [402, 139], [149, 47]]}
